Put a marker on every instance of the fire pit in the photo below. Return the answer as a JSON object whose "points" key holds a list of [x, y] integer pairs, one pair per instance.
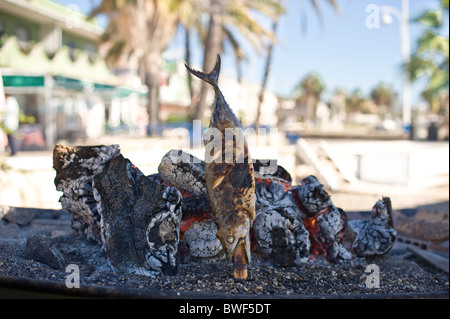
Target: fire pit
{"points": [[401, 274], [153, 236], [151, 224]]}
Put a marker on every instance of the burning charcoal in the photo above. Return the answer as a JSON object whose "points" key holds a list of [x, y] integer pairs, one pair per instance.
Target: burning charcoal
{"points": [[312, 197], [194, 210], [376, 235], [278, 226], [140, 219], [332, 225], [184, 171], [202, 241], [75, 168], [196, 207]]}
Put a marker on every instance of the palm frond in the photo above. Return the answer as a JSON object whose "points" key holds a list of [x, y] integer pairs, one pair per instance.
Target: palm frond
{"points": [[269, 8]]}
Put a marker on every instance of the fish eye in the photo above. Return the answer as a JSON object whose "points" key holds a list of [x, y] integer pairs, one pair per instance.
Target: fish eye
{"points": [[230, 239]]}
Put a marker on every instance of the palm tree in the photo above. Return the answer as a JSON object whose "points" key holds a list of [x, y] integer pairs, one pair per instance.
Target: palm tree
{"points": [[268, 63], [265, 76], [431, 58], [383, 96], [355, 102], [227, 18], [142, 28], [190, 18], [308, 93]]}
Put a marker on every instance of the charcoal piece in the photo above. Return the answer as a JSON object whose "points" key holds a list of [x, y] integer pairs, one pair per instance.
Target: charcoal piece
{"points": [[271, 169], [40, 248], [202, 241], [140, 219], [278, 226], [311, 196], [19, 216], [184, 171], [376, 235], [75, 168], [194, 207], [332, 225]]}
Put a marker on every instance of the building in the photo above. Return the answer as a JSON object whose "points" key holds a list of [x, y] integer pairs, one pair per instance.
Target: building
{"points": [[49, 61]]}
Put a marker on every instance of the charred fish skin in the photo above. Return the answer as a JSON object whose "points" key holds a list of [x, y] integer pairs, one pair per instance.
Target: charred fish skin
{"points": [[229, 176]]}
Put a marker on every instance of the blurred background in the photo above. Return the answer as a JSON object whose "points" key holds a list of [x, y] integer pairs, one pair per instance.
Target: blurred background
{"points": [[354, 92]]}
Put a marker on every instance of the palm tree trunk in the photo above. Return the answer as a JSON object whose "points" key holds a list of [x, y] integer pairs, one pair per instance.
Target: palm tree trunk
{"points": [[187, 57], [212, 48], [152, 76], [266, 76]]}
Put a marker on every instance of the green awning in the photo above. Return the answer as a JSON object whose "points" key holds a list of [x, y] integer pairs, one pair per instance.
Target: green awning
{"points": [[23, 81], [70, 84], [37, 62], [125, 92]]}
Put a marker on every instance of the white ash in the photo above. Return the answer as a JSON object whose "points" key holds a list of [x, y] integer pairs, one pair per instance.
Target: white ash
{"points": [[74, 180], [331, 226], [202, 241], [69, 160], [184, 171], [86, 219], [313, 198], [165, 226], [278, 225], [376, 235]]}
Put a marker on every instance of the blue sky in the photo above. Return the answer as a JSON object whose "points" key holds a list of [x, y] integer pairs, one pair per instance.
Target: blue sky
{"points": [[339, 47]]}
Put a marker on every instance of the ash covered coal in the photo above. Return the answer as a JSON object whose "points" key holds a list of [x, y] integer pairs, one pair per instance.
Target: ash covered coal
{"points": [[278, 226], [376, 235], [75, 168], [134, 218]]}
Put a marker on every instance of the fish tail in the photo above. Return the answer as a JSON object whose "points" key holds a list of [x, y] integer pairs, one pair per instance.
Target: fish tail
{"points": [[211, 77]]}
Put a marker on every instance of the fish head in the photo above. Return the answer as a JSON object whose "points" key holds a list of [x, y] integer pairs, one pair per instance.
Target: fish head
{"points": [[235, 239]]}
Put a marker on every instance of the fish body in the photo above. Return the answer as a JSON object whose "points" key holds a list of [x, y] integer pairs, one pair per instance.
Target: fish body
{"points": [[229, 176]]}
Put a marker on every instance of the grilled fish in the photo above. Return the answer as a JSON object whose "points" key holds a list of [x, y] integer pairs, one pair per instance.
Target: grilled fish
{"points": [[229, 176]]}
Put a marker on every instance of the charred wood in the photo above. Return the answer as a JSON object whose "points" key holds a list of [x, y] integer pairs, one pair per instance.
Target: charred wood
{"points": [[332, 226], [184, 171], [376, 235], [278, 225], [140, 219], [311, 196], [75, 168]]}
